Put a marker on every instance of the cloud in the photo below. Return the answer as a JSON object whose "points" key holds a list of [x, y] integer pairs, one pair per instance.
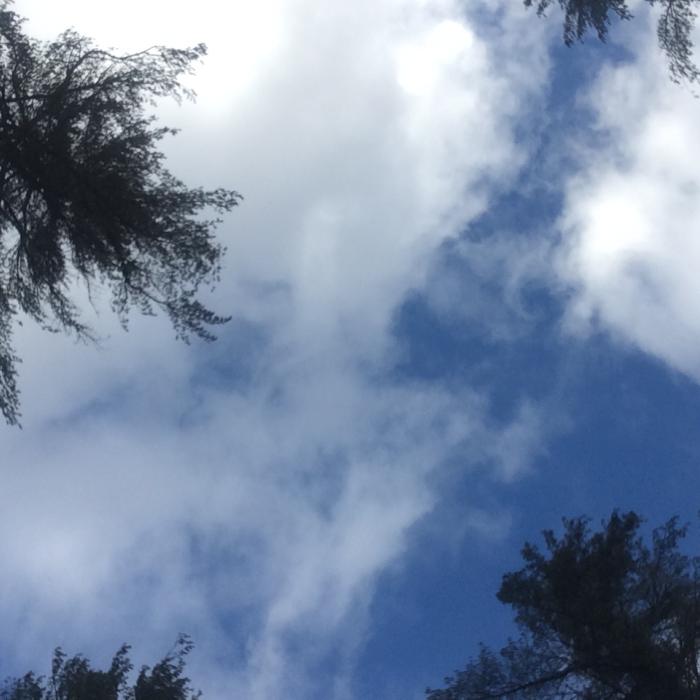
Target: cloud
{"points": [[631, 250], [479, 283], [252, 492]]}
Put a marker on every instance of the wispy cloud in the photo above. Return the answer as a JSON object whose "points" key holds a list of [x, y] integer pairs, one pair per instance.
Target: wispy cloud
{"points": [[252, 492]]}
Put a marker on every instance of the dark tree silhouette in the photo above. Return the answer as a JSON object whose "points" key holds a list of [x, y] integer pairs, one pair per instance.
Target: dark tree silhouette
{"points": [[673, 30], [601, 615], [75, 679], [85, 194]]}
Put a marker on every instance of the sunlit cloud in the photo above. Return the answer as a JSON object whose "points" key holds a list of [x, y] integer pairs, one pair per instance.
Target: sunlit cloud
{"points": [[630, 247], [252, 492]]}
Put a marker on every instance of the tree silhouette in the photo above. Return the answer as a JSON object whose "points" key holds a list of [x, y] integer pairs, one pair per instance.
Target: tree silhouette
{"points": [[673, 30], [85, 194], [75, 679], [601, 615]]}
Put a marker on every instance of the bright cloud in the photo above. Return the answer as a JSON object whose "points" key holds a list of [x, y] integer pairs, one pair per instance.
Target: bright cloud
{"points": [[252, 492], [631, 246]]}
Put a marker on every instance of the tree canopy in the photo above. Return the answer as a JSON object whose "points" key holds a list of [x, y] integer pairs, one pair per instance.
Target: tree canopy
{"points": [[85, 194], [602, 615], [75, 679], [673, 30]]}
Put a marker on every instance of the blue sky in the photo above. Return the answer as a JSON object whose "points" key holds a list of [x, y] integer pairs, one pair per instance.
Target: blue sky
{"points": [[463, 285]]}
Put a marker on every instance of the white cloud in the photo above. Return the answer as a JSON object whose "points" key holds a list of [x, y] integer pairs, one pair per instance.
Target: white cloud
{"points": [[631, 246], [480, 283], [142, 500]]}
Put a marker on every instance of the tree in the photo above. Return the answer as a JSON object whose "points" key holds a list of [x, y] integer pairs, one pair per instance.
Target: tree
{"points": [[601, 615], [85, 194], [673, 30], [75, 679]]}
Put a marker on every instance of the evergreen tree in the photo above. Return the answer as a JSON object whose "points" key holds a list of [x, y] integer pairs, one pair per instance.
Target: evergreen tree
{"points": [[601, 615], [85, 194], [674, 30], [75, 679]]}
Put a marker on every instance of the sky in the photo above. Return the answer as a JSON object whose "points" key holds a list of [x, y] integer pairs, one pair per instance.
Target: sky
{"points": [[465, 303]]}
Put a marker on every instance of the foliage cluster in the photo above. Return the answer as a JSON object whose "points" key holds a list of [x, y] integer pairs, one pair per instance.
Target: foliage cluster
{"points": [[674, 28], [75, 679], [602, 615], [85, 194]]}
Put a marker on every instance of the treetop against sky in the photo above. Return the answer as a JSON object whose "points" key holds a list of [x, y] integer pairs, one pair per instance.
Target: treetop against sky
{"points": [[462, 298]]}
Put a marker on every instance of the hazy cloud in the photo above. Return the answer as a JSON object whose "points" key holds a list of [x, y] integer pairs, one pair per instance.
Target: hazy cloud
{"points": [[250, 493]]}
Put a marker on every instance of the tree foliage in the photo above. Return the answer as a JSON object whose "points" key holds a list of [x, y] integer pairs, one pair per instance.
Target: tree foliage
{"points": [[85, 194], [601, 615], [75, 679], [674, 29]]}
